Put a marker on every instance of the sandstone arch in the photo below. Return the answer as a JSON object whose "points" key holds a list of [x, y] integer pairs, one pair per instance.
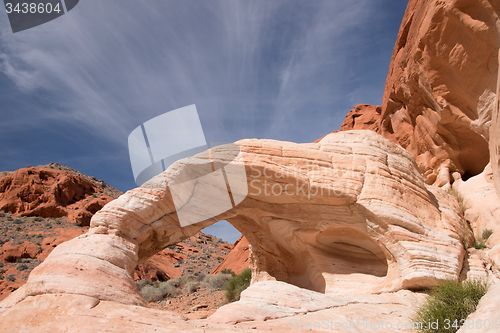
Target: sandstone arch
{"points": [[351, 198]]}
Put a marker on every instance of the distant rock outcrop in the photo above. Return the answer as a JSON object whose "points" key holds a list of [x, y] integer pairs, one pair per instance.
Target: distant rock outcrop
{"points": [[51, 191], [238, 259]]}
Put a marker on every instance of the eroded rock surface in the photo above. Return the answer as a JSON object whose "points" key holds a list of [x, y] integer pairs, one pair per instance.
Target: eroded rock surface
{"points": [[482, 210], [441, 90], [273, 300]]}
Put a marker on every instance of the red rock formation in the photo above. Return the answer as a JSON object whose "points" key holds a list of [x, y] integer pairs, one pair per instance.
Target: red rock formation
{"points": [[160, 267], [441, 88], [11, 253], [238, 259], [8, 287], [53, 193], [362, 117]]}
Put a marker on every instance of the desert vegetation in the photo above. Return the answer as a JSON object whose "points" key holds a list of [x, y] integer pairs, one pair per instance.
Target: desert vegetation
{"points": [[237, 284], [227, 281], [459, 197], [449, 304], [480, 242]]}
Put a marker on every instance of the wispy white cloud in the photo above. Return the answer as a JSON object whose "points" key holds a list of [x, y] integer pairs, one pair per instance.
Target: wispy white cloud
{"points": [[253, 68]]}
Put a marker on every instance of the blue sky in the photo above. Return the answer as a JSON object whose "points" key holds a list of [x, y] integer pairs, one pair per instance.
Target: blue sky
{"points": [[73, 89]]}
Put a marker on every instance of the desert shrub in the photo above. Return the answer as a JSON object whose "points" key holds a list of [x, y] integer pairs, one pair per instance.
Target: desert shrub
{"points": [[228, 271], [217, 282], [486, 234], [237, 284], [22, 267], [480, 242], [142, 283], [192, 287], [158, 291], [10, 277], [450, 303], [459, 197], [200, 277], [175, 282]]}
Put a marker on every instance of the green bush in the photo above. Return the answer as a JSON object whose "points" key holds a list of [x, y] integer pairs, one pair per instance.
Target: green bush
{"points": [[158, 291], [237, 284], [480, 242], [217, 282], [487, 233], [449, 304]]}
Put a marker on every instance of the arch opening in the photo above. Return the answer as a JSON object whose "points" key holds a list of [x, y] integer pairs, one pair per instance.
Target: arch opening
{"points": [[349, 260]]}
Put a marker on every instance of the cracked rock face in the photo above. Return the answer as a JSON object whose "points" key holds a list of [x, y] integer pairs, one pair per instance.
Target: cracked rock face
{"points": [[348, 215]]}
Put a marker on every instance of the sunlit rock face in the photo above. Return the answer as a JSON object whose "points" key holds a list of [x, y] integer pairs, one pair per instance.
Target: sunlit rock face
{"points": [[495, 149], [350, 214], [441, 90]]}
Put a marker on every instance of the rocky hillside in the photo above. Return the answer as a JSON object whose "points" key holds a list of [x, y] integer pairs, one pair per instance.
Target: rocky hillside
{"points": [[54, 191], [42, 207]]}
